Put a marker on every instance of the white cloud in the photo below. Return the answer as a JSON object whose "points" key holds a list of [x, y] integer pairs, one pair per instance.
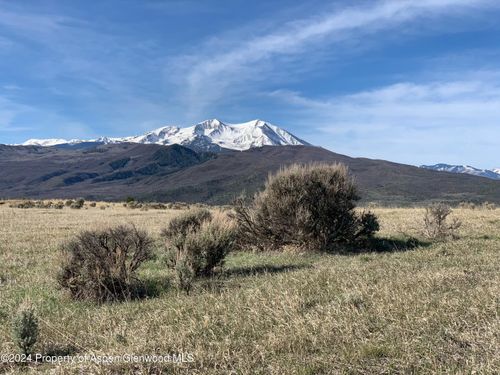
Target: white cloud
{"points": [[102, 68], [17, 118], [418, 122], [209, 74]]}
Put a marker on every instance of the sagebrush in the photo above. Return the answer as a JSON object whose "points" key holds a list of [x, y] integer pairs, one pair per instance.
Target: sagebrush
{"points": [[310, 206], [436, 223], [197, 242], [101, 265]]}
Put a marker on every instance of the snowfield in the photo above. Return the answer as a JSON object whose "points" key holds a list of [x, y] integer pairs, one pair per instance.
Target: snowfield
{"points": [[209, 135]]}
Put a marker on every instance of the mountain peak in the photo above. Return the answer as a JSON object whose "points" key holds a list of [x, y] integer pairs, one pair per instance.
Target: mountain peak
{"points": [[208, 135], [211, 123]]}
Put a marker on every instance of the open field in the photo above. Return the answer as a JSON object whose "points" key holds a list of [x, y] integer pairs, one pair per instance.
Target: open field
{"points": [[431, 309]]}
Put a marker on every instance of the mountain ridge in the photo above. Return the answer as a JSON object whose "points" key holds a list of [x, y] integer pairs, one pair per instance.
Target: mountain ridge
{"points": [[208, 135], [153, 172], [493, 174]]}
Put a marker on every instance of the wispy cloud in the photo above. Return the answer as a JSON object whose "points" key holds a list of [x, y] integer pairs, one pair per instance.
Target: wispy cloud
{"points": [[17, 118], [108, 71], [208, 75], [98, 67], [30, 23], [415, 121], [9, 110]]}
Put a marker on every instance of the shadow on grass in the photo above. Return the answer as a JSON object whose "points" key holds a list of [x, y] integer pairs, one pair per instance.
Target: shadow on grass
{"points": [[150, 288], [59, 350], [384, 245], [138, 289], [262, 269]]}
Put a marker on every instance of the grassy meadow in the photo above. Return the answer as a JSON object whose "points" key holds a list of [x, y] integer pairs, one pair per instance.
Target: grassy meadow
{"points": [[433, 308]]}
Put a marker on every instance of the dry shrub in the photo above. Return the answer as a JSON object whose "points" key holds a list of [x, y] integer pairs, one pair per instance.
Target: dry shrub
{"points": [[78, 203], [489, 206], [23, 204], [467, 205], [101, 265], [309, 206], [178, 206], [134, 204], [197, 242], [156, 206], [436, 224], [189, 221], [36, 204]]}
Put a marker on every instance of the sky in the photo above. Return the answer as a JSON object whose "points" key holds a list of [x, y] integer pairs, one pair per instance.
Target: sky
{"points": [[416, 82]]}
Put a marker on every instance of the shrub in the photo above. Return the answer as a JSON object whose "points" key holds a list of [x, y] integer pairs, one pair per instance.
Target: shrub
{"points": [[23, 204], [42, 204], [68, 203], [368, 226], [197, 242], [157, 206], [77, 204], [309, 206], [467, 205], [101, 265], [25, 329], [436, 225], [189, 221], [92, 204], [185, 274], [489, 206], [178, 206], [134, 204]]}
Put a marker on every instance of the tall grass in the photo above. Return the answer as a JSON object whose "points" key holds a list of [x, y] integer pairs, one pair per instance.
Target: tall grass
{"points": [[433, 309]]}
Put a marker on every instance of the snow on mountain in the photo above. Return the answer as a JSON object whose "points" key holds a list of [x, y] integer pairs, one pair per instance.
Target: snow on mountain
{"points": [[209, 135], [45, 142], [467, 169]]}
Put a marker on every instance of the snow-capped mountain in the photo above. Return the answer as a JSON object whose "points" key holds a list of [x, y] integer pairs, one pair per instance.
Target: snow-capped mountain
{"points": [[209, 135], [45, 142], [493, 174]]}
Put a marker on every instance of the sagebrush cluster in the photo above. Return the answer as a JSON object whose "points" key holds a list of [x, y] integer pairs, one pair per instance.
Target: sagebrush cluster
{"points": [[310, 206]]}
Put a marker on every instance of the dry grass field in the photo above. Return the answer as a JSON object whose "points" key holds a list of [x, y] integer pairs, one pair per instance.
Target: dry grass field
{"points": [[433, 308]]}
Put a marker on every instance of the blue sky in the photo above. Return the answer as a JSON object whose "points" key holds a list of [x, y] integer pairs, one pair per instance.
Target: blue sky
{"points": [[408, 81]]}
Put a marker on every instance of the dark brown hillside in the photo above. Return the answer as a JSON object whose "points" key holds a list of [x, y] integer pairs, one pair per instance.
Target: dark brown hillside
{"points": [[103, 172], [175, 173], [220, 179]]}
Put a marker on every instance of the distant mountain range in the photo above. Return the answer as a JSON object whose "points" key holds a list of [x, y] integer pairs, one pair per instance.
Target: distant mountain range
{"points": [[493, 174], [177, 173], [213, 162], [209, 135], [216, 136]]}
